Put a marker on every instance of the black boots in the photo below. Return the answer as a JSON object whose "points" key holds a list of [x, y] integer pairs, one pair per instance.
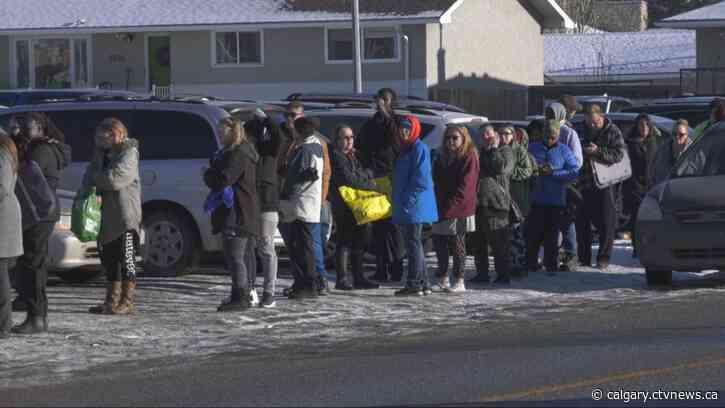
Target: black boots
{"points": [[358, 272], [238, 302], [382, 269], [341, 269], [33, 324]]}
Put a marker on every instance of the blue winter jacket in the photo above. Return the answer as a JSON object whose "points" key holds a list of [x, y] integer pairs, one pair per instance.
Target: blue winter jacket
{"points": [[551, 190], [414, 200]]}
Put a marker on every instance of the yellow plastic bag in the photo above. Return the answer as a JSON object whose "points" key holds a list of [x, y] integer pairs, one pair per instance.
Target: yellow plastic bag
{"points": [[368, 206]]}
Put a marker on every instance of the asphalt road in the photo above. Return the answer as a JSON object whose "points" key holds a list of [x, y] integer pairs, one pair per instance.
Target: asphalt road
{"points": [[561, 360]]}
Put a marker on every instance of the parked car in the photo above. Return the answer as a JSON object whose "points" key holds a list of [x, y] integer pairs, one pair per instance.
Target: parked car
{"points": [[176, 140], [681, 222], [608, 104], [402, 102], [695, 109], [15, 97]]}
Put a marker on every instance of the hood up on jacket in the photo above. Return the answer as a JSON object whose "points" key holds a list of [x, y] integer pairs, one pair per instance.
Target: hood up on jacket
{"points": [[559, 111]]}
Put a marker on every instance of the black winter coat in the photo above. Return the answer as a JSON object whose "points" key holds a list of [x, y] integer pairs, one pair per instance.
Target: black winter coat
{"points": [[236, 167], [268, 144], [610, 145], [642, 153], [52, 157], [346, 171], [376, 144]]}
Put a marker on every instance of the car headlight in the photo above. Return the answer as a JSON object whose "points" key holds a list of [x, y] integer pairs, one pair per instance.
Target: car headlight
{"points": [[649, 210]]}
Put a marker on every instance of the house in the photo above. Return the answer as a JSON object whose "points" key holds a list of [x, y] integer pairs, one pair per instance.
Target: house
{"points": [[708, 75], [270, 48]]}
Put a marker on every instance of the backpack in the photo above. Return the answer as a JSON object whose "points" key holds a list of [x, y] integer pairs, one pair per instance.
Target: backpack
{"points": [[36, 198]]}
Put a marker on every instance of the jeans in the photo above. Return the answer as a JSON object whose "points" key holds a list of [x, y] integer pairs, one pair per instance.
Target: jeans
{"points": [[238, 249], [6, 304], [32, 268], [302, 253], [417, 270], [317, 239], [266, 252]]}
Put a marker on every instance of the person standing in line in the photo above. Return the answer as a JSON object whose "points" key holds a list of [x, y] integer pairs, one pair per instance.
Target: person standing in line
{"points": [[234, 205], [350, 246], [556, 166], [300, 206], [414, 202], [11, 246], [378, 150], [642, 144], [717, 114], [265, 135], [519, 190], [602, 142], [40, 142], [669, 151], [493, 214], [114, 172], [570, 138], [455, 177]]}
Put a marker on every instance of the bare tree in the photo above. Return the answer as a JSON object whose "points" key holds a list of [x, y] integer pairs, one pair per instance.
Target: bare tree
{"points": [[583, 12]]}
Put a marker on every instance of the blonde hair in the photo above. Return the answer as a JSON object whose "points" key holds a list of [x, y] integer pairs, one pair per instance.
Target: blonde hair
{"points": [[114, 126], [467, 147], [236, 128]]}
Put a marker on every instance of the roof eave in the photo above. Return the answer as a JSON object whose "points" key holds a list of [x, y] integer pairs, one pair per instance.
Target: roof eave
{"points": [[213, 27]]}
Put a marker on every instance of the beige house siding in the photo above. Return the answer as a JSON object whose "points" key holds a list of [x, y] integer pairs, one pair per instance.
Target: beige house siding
{"points": [[5, 64], [493, 50], [119, 62]]}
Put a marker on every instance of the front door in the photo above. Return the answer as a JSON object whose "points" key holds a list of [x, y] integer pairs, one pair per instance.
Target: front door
{"points": [[159, 61]]}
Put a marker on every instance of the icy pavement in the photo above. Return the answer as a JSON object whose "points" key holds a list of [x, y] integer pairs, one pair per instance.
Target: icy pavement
{"points": [[177, 317]]}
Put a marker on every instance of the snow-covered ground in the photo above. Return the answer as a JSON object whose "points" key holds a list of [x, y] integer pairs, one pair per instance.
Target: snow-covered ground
{"points": [[177, 317]]}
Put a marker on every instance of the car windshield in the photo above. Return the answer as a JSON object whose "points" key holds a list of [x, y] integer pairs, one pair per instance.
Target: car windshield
{"points": [[705, 158]]}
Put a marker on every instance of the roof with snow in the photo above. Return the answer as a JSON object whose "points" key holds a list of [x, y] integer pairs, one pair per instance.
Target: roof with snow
{"points": [[708, 16], [94, 15], [630, 53]]}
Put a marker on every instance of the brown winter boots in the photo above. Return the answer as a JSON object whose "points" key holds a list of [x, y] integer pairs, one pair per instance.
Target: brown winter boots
{"points": [[113, 296], [120, 297]]}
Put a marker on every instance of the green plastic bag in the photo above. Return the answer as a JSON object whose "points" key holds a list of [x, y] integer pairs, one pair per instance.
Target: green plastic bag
{"points": [[86, 217]]}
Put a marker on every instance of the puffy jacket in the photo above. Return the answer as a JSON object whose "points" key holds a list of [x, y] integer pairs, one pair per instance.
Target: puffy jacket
{"points": [[497, 165], [268, 145], [414, 199], [642, 154], [52, 157], [115, 174], [550, 191], [376, 144], [302, 188], [455, 184], [236, 167], [610, 145]]}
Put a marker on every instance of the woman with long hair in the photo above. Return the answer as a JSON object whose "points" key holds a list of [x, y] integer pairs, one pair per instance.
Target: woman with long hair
{"points": [[455, 177], [234, 206], [41, 142], [114, 172], [11, 245]]}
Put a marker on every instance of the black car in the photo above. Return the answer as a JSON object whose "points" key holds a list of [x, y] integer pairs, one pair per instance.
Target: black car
{"points": [[362, 100], [695, 109], [11, 98]]}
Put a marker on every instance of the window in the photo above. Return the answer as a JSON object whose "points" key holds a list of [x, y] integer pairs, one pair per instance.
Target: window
{"points": [[328, 123], [79, 128], [704, 158], [238, 48], [379, 44], [51, 63], [167, 135]]}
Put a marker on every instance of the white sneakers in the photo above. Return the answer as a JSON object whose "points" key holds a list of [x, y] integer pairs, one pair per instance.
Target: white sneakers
{"points": [[255, 298], [458, 287]]}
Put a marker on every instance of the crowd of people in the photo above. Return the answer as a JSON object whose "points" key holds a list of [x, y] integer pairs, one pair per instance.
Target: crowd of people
{"points": [[505, 191]]}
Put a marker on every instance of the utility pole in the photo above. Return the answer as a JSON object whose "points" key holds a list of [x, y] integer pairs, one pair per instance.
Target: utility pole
{"points": [[357, 58]]}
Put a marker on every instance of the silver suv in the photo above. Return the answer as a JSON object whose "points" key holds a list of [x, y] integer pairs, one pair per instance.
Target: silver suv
{"points": [[176, 140]]}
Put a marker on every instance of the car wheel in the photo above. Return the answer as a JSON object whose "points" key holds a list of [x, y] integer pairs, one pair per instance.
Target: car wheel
{"points": [[658, 277], [171, 244], [78, 275]]}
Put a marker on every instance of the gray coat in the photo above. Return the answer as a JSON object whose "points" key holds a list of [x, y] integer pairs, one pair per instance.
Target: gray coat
{"points": [[119, 186], [11, 244]]}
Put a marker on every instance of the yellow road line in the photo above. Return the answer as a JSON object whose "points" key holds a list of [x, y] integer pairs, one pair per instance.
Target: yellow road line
{"points": [[605, 380]]}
